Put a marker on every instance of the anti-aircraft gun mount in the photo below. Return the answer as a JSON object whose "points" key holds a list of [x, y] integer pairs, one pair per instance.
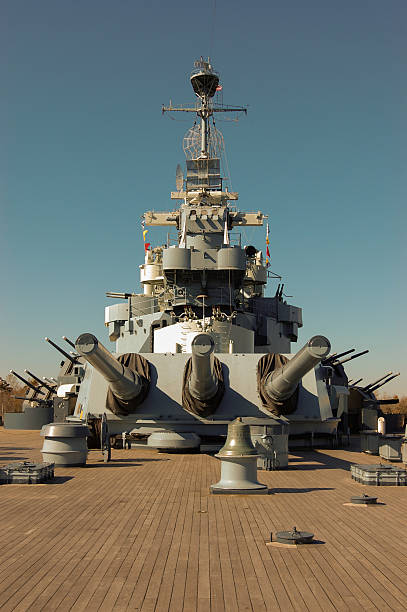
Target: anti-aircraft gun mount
{"points": [[364, 407], [48, 399]]}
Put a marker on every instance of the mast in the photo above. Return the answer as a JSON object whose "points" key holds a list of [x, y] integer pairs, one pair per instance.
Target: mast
{"points": [[203, 143]]}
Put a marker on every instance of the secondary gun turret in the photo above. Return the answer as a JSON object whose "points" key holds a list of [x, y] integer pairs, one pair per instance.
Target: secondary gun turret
{"points": [[124, 383], [282, 383], [203, 383]]}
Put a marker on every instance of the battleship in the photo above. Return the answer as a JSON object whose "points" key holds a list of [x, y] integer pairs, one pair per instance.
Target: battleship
{"points": [[202, 344]]}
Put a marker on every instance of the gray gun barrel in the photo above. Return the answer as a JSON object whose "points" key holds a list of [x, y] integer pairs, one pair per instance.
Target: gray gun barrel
{"points": [[281, 384], [64, 353], [353, 357], [123, 382], [336, 356], [356, 382], [26, 382], [394, 400], [41, 382], [383, 383], [376, 381], [203, 383], [68, 341]]}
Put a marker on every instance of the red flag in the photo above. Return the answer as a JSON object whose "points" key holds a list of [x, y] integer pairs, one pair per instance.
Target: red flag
{"points": [[146, 245], [267, 252], [219, 88]]}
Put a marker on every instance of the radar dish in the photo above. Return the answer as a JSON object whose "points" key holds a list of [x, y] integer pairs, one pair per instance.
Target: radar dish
{"points": [[192, 143], [179, 178]]}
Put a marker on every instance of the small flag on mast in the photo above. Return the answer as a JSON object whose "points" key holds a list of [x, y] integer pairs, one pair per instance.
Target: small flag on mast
{"points": [[267, 245], [146, 244]]}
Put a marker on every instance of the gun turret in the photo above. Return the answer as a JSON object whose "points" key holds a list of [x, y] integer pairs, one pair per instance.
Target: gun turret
{"points": [[26, 382], [203, 384], [124, 383], [282, 383]]}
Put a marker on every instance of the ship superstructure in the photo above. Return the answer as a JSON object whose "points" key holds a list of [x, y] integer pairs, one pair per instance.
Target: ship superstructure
{"points": [[204, 278]]}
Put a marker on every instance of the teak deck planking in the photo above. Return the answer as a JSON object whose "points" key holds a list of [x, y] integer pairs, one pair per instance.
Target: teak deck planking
{"points": [[143, 533]]}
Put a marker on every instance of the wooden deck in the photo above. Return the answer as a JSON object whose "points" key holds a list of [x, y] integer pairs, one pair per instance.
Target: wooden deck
{"points": [[143, 533]]}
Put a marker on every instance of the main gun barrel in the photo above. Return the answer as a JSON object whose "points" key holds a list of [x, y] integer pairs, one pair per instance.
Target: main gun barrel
{"points": [[281, 384], [203, 383], [124, 383]]}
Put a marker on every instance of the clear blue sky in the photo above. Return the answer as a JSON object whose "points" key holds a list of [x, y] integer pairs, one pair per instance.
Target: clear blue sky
{"points": [[85, 150]]}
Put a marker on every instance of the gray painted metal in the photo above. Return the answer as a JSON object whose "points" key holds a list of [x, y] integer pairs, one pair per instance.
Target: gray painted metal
{"points": [[363, 499], [65, 444], [32, 418], [177, 259], [369, 418], [239, 475], [26, 473], [271, 446], [294, 537], [203, 383], [369, 441], [123, 382], [238, 462], [390, 446], [281, 384], [171, 440], [231, 258], [162, 408], [379, 475], [65, 430]]}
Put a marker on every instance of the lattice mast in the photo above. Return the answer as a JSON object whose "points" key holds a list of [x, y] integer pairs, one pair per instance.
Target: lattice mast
{"points": [[203, 144]]}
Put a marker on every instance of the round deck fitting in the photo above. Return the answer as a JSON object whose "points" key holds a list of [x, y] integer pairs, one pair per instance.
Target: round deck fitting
{"points": [[363, 499], [294, 537], [165, 440]]}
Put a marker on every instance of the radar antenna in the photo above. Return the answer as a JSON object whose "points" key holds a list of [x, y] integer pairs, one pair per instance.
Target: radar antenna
{"points": [[205, 83]]}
